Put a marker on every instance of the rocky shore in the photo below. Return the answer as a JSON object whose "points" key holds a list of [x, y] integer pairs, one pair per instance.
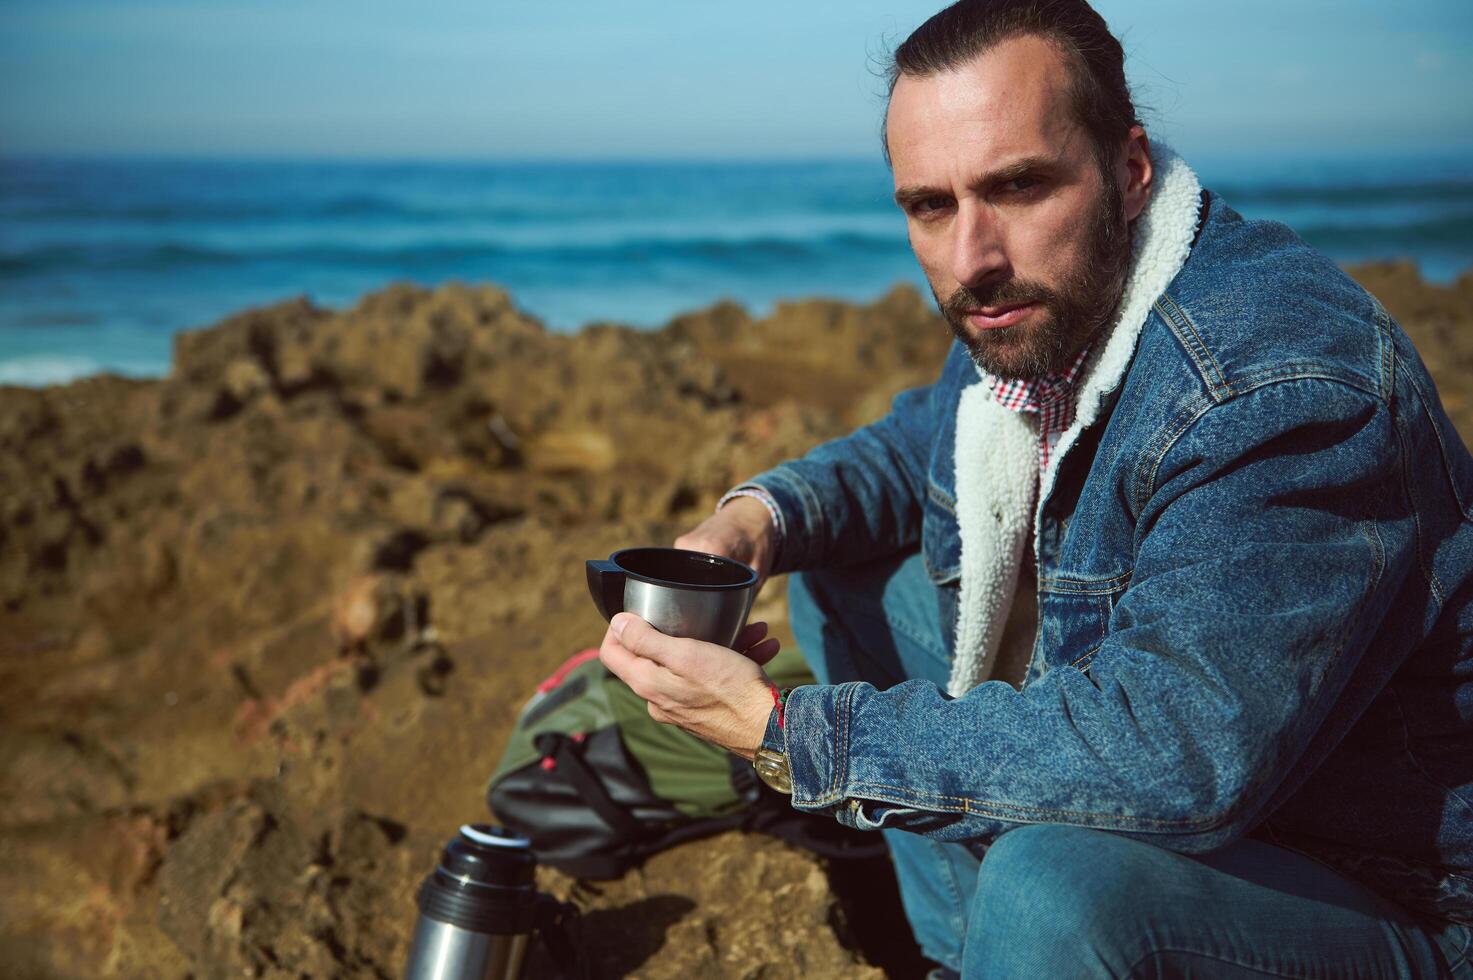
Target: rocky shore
{"points": [[265, 623]]}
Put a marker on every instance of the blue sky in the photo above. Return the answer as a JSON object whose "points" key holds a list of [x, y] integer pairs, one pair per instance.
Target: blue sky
{"points": [[639, 78]]}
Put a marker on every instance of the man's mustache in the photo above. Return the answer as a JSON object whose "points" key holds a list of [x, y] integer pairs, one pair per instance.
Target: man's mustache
{"points": [[1013, 292]]}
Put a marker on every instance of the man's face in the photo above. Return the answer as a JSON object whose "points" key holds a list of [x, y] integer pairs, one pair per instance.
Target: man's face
{"points": [[1024, 241]]}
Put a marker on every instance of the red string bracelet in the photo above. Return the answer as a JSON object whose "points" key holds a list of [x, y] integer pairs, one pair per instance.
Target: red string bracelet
{"points": [[779, 701]]}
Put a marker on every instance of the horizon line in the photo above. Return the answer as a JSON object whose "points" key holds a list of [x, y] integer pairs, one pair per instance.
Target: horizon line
{"points": [[1358, 152]]}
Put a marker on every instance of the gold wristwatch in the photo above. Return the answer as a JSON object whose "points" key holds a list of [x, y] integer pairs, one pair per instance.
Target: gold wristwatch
{"points": [[772, 769]]}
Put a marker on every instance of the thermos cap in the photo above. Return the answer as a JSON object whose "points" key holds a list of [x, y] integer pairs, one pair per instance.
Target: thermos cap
{"points": [[484, 855], [485, 882]]}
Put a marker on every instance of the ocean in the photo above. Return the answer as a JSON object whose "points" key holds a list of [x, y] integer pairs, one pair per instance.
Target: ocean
{"points": [[103, 261]]}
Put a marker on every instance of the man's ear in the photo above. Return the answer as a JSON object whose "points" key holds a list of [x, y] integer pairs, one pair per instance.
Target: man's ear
{"points": [[1136, 173]]}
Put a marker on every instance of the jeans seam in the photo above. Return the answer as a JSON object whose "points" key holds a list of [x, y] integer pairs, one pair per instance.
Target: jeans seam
{"points": [[1303, 373], [809, 504], [1463, 950], [841, 742], [1008, 811], [1196, 349], [1086, 655], [1465, 507], [1428, 573], [940, 497], [1406, 747], [1178, 426], [1387, 344], [838, 744], [1087, 586], [958, 926], [1462, 958], [1220, 958]]}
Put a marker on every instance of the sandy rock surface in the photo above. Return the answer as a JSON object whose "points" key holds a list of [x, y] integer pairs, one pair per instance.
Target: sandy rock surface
{"points": [[265, 623]]}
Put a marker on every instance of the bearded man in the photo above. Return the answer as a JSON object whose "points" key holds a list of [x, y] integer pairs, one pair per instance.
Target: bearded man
{"points": [[1145, 633]]}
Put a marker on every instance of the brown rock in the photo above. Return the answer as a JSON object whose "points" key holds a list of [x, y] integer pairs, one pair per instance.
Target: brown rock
{"points": [[197, 779]]}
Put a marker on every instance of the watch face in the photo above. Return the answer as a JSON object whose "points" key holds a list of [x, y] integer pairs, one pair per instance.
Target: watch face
{"points": [[772, 769]]}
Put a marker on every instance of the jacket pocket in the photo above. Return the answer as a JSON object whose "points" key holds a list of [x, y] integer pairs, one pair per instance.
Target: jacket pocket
{"points": [[1074, 619], [941, 540]]}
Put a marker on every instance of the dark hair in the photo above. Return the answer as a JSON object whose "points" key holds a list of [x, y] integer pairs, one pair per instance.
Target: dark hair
{"points": [[961, 32]]}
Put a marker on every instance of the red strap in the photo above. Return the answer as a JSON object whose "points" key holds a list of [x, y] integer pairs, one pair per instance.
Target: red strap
{"points": [[569, 665]]}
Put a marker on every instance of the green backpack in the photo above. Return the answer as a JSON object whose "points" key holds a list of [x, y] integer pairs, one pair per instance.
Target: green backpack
{"points": [[597, 785]]}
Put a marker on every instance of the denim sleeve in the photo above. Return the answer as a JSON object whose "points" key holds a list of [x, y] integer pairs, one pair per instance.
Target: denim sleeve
{"points": [[860, 497], [1270, 534]]}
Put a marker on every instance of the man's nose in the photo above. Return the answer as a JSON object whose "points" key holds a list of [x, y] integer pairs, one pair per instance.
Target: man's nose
{"points": [[977, 253]]}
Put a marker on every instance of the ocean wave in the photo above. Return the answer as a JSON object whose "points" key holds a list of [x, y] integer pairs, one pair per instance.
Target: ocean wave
{"points": [[168, 255], [751, 252], [1352, 193], [52, 318], [367, 206], [38, 370], [173, 256], [1454, 230], [364, 209], [386, 208]]}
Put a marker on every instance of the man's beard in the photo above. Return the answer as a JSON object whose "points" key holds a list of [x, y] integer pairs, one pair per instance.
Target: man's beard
{"points": [[1070, 313]]}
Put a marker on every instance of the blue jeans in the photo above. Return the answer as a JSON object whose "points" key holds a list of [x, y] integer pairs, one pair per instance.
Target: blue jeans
{"points": [[1053, 900]]}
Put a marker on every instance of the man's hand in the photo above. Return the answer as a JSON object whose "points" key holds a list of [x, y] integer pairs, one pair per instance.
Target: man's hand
{"points": [[742, 530], [714, 693]]}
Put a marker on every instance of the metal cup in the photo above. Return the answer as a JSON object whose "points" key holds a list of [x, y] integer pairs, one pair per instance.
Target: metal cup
{"points": [[678, 592]]}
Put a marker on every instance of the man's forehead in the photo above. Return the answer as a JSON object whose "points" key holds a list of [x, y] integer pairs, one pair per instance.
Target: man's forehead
{"points": [[1011, 100]]}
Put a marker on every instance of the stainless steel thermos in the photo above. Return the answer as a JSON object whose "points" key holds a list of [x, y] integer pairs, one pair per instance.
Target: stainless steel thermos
{"points": [[477, 909]]}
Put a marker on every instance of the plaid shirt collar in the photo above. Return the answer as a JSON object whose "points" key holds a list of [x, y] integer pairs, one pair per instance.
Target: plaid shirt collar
{"points": [[1051, 398]]}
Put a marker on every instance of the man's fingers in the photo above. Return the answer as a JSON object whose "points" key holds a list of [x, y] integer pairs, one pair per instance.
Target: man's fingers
{"points": [[764, 651], [637, 672], [639, 637], [700, 542], [714, 536], [750, 636]]}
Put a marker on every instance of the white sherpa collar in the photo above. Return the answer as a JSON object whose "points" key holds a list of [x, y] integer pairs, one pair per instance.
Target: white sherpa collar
{"points": [[997, 449]]}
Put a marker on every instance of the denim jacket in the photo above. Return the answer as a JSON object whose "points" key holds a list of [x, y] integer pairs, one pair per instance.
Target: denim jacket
{"points": [[1254, 592]]}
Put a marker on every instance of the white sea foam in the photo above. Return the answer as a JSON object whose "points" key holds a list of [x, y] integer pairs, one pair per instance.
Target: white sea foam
{"points": [[39, 370]]}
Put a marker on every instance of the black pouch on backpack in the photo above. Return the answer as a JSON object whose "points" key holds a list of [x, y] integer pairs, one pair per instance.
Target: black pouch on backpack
{"points": [[597, 785]]}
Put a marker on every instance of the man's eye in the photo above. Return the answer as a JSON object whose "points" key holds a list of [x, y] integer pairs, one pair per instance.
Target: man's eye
{"points": [[1019, 185], [930, 205]]}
